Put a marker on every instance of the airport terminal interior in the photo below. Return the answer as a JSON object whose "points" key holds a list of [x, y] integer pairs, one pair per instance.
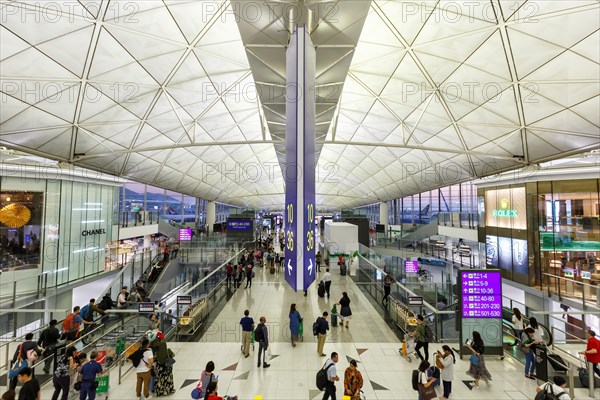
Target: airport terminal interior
{"points": [[168, 165]]}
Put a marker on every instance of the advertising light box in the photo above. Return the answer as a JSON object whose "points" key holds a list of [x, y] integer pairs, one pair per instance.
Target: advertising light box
{"points": [[411, 266], [481, 294], [185, 234]]}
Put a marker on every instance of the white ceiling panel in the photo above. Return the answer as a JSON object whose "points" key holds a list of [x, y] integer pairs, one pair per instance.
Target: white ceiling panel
{"points": [[426, 94]]}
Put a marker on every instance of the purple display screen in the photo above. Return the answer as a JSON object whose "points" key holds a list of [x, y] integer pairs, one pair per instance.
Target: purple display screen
{"points": [[481, 294], [411, 267], [185, 234]]}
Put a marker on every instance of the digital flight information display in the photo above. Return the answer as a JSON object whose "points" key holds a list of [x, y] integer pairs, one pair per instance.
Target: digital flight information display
{"points": [[481, 294]]}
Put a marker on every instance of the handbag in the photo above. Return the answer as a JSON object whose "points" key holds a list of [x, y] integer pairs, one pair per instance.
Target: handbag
{"points": [[18, 365], [427, 393], [474, 360], [170, 361], [198, 391]]}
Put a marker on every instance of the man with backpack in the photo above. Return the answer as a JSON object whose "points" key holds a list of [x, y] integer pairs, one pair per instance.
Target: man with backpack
{"points": [[142, 360], [48, 340], [261, 335], [28, 350], [87, 313], [332, 377], [71, 324], [320, 328], [553, 391], [423, 335]]}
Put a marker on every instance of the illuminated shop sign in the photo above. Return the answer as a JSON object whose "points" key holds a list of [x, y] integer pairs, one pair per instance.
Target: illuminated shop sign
{"points": [[504, 210]]}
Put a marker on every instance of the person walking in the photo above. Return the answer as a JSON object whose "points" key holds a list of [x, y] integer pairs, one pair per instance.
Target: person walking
{"points": [[529, 343], [62, 374], [175, 250], [88, 374], [345, 311], [353, 381], [388, 280], [48, 341], [229, 272], [163, 368], [518, 323], [592, 351], [477, 367], [332, 377], [249, 275], [143, 371], [318, 259], [261, 335], [31, 387], [445, 361], [322, 328], [247, 324], [421, 337], [327, 280], [166, 255], [295, 320], [240, 274], [23, 351]]}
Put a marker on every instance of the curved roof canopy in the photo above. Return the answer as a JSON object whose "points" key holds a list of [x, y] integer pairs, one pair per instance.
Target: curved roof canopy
{"points": [[186, 95]]}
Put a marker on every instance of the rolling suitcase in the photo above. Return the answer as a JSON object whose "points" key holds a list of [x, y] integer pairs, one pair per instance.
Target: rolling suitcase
{"points": [[321, 289], [343, 269], [272, 270]]}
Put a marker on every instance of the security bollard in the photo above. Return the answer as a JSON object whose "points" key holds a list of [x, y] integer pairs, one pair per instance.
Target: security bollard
{"points": [[258, 397], [345, 397]]}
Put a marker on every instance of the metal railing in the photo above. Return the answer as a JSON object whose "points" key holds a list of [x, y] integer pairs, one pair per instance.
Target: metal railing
{"points": [[129, 219], [459, 219], [566, 287]]}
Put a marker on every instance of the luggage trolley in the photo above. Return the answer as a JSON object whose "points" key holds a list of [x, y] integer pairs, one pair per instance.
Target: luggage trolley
{"points": [[409, 343]]}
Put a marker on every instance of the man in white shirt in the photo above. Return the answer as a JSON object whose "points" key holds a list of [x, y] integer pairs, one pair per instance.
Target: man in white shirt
{"points": [[332, 377], [143, 371], [122, 298], [558, 388], [327, 280]]}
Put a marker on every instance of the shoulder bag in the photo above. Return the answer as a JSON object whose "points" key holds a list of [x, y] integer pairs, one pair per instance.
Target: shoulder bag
{"points": [[426, 393], [19, 364]]}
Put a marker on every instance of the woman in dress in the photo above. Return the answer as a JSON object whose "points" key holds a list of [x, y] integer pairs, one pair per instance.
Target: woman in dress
{"points": [[477, 368], [345, 311], [163, 380], [295, 319], [353, 381]]}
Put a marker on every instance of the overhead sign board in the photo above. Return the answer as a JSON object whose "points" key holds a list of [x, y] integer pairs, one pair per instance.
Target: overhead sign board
{"points": [[481, 294], [239, 225], [185, 234], [415, 300], [411, 266], [184, 300], [146, 307]]}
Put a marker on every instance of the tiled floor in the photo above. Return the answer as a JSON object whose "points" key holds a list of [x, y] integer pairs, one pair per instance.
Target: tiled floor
{"points": [[292, 372]]}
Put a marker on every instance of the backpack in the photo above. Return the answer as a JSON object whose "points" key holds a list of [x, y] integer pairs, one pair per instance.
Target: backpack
{"points": [[316, 327], [136, 357], [86, 313], [69, 325], [322, 377], [415, 379], [258, 333], [545, 395], [428, 334]]}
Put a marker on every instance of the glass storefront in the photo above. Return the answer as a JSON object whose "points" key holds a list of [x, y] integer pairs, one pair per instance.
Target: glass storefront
{"points": [[71, 219], [545, 235]]}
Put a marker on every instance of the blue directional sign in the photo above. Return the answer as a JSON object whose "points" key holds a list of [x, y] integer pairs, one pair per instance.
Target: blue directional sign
{"points": [[299, 170]]}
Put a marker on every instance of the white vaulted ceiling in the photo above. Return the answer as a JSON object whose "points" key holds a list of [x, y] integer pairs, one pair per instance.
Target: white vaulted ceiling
{"points": [[436, 92]]}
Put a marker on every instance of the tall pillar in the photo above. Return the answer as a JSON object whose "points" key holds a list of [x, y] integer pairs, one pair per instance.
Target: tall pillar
{"points": [[211, 215], [383, 213], [300, 154]]}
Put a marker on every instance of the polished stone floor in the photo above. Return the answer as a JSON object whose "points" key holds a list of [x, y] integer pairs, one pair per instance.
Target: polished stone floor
{"points": [[292, 373]]}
